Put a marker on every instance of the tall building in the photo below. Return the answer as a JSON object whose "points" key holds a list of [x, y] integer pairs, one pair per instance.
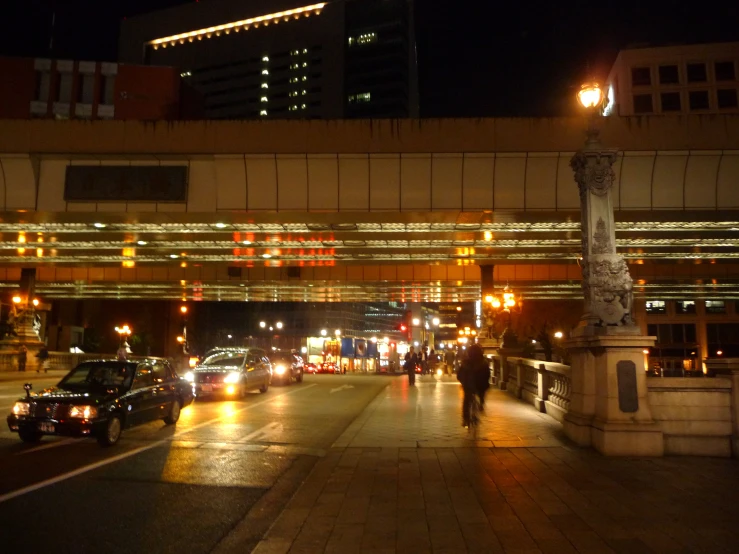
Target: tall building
{"points": [[286, 58], [695, 79], [67, 89]]}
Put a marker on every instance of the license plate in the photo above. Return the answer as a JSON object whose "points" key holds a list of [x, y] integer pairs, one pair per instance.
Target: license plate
{"points": [[206, 388], [46, 427]]}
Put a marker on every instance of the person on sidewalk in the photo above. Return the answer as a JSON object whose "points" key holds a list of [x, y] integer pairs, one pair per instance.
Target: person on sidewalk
{"points": [[474, 375], [411, 361], [42, 356], [22, 357]]}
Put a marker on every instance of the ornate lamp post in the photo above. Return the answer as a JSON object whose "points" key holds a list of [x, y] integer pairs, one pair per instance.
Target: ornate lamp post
{"points": [[609, 405], [506, 303], [606, 282]]}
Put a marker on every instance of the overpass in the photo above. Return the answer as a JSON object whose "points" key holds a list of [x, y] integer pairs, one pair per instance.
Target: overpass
{"points": [[359, 210]]}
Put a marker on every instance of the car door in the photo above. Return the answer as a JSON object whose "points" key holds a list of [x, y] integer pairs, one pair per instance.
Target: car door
{"points": [[163, 390], [142, 402], [254, 377]]}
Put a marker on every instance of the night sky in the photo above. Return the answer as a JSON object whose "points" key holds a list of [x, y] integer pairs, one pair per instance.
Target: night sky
{"points": [[476, 57]]}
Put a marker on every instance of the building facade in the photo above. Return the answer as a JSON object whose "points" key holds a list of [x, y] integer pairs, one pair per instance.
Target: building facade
{"points": [[285, 59], [688, 79], [67, 89]]}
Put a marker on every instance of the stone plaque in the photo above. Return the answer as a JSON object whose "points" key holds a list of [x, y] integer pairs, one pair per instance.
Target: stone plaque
{"points": [[122, 183], [628, 397]]}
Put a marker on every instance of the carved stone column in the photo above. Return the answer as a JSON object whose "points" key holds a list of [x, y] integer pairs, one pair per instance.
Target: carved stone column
{"points": [[609, 407]]}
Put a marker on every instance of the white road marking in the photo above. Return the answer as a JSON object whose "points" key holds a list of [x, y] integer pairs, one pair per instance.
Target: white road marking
{"points": [[84, 469], [49, 445], [342, 387], [262, 432]]}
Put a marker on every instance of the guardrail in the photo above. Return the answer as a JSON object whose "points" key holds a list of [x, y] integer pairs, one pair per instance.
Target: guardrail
{"points": [[546, 385]]}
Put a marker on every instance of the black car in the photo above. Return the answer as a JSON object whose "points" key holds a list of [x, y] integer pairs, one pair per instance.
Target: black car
{"points": [[101, 398], [286, 366], [231, 372]]}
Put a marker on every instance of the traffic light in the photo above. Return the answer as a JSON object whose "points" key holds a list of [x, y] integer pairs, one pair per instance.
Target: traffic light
{"points": [[402, 327]]}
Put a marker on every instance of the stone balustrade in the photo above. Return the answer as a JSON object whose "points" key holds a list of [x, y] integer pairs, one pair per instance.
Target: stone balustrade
{"points": [[57, 360], [698, 416], [546, 385]]}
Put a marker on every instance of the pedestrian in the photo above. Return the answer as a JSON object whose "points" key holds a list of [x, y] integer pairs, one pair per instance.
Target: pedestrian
{"points": [[449, 361], [411, 361], [22, 357], [474, 375], [42, 356], [122, 352]]}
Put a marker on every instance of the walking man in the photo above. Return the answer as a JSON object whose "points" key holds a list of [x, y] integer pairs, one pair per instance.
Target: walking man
{"points": [[411, 360], [42, 356]]}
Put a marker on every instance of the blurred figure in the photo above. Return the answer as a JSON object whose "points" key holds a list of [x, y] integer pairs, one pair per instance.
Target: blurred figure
{"points": [[411, 361], [449, 361], [22, 357], [42, 356], [474, 375]]}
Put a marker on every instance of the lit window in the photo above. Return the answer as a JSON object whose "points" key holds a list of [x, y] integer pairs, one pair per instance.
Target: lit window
{"points": [[305, 50], [304, 92], [305, 64], [265, 85], [265, 58], [302, 106], [263, 99], [656, 307], [263, 112], [293, 108], [305, 78], [265, 71], [351, 40], [364, 38], [294, 66]]}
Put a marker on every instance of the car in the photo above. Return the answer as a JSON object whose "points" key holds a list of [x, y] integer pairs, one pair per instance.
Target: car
{"points": [[231, 372], [101, 398], [310, 367], [329, 367], [286, 366]]}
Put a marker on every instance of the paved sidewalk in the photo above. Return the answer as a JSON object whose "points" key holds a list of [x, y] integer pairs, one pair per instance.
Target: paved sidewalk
{"points": [[405, 478]]}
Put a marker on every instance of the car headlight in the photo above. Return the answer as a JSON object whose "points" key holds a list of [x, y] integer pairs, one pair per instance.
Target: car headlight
{"points": [[232, 377], [21, 408], [280, 369], [190, 376], [83, 412]]}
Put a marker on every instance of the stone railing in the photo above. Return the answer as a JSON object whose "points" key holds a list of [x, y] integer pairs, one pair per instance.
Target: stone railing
{"points": [[56, 361], [546, 385]]}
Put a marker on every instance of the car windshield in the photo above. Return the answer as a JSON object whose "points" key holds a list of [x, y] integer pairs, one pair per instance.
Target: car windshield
{"points": [[281, 357], [225, 359], [98, 374]]}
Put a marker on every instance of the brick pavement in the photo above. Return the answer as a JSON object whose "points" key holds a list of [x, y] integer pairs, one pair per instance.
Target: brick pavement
{"points": [[405, 477]]}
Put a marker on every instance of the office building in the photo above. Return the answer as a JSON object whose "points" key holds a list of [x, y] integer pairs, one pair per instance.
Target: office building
{"points": [[286, 58], [688, 79], [66, 89]]}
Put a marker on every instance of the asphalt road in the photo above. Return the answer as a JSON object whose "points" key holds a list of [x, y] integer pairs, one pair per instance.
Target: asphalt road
{"points": [[213, 482]]}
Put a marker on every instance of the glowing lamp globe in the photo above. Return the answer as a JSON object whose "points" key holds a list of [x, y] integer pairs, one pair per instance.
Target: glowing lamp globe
{"points": [[590, 95]]}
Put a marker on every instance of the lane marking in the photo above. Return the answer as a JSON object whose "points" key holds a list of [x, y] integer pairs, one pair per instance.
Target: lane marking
{"points": [[262, 432], [342, 387], [84, 469], [50, 445]]}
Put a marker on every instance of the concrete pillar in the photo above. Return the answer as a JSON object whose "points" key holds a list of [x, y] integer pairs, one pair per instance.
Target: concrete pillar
{"points": [[542, 388]]}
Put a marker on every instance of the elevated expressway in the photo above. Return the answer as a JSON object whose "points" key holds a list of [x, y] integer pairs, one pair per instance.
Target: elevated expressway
{"points": [[362, 210]]}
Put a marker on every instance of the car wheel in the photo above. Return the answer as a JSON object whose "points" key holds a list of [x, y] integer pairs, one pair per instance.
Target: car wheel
{"points": [[174, 413], [299, 378], [29, 436], [264, 387], [112, 431]]}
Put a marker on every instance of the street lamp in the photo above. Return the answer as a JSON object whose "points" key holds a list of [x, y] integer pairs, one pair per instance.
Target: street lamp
{"points": [[183, 310], [278, 324], [262, 324], [337, 332], [324, 332], [558, 335]]}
